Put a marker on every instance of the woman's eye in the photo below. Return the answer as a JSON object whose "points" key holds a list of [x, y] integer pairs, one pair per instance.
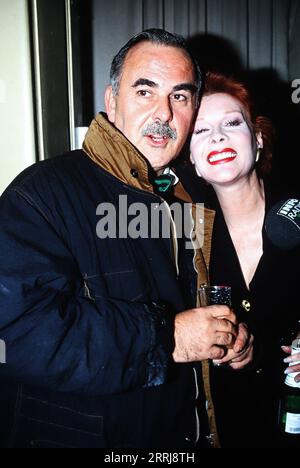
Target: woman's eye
{"points": [[200, 130], [233, 123]]}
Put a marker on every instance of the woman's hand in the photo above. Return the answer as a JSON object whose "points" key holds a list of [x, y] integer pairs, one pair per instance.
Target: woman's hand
{"points": [[242, 352], [291, 359]]}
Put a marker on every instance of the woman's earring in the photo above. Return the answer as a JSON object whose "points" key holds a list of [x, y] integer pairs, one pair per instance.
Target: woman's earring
{"points": [[196, 169], [258, 154], [197, 172]]}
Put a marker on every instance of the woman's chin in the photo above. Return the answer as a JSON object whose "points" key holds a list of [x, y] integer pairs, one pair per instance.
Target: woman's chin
{"points": [[224, 179]]}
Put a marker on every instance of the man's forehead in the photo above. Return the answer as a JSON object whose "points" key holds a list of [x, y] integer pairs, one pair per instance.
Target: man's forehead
{"points": [[152, 48], [147, 57]]}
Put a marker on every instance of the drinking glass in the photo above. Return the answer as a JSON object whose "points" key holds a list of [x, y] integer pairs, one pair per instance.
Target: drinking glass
{"points": [[213, 295]]}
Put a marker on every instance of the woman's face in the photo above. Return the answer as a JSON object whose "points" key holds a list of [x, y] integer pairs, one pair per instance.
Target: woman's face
{"points": [[223, 147]]}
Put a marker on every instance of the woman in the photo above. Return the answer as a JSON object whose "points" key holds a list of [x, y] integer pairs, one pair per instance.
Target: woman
{"points": [[231, 150]]}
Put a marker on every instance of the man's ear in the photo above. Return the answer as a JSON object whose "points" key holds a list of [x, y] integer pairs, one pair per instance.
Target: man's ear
{"points": [[110, 104], [260, 141]]}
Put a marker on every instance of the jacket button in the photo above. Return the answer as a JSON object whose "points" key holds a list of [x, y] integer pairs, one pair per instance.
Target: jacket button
{"points": [[246, 306], [134, 173]]}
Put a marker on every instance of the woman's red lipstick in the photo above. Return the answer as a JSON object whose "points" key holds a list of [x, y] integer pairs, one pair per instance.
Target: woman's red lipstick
{"points": [[221, 157]]}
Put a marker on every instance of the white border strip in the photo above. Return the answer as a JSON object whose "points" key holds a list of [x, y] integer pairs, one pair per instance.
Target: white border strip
{"points": [[37, 73], [70, 74]]}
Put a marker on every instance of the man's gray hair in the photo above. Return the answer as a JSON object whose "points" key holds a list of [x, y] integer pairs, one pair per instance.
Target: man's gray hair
{"points": [[156, 36]]}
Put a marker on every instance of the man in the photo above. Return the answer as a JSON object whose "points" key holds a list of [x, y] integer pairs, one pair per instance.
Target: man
{"points": [[99, 343]]}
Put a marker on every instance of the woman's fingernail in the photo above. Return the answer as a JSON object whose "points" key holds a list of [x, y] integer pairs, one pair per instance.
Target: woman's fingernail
{"points": [[216, 363], [287, 371], [286, 360]]}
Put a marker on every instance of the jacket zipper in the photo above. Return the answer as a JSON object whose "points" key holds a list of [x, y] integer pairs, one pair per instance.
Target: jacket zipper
{"points": [[194, 369], [175, 246], [174, 237], [196, 409]]}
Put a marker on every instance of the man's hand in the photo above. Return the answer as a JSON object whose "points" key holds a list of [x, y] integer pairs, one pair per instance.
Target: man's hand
{"points": [[203, 333], [242, 352]]}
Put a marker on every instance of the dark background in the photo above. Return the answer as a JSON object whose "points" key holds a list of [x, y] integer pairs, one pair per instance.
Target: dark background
{"points": [[258, 40]]}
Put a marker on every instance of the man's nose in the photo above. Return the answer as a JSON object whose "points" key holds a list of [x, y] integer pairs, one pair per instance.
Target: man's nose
{"points": [[163, 111]]}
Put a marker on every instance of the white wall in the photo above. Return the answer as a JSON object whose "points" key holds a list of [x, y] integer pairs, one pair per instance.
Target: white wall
{"points": [[17, 149]]}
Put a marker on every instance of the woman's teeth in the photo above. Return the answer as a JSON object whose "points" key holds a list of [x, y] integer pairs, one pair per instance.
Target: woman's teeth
{"points": [[221, 156]]}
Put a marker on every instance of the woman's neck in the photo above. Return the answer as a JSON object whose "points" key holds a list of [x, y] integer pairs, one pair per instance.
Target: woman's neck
{"points": [[242, 200], [243, 206]]}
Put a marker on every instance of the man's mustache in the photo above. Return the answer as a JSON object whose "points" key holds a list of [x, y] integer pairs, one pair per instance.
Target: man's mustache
{"points": [[160, 129]]}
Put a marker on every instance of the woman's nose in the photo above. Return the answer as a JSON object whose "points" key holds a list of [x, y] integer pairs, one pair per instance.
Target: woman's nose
{"points": [[218, 136]]}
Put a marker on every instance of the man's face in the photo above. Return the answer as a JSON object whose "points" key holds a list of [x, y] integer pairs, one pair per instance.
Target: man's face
{"points": [[157, 85]]}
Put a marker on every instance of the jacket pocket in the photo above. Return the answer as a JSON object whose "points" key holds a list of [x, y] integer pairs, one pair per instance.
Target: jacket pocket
{"points": [[127, 285]]}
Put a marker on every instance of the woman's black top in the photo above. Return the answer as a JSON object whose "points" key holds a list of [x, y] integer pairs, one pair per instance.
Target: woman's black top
{"points": [[246, 402]]}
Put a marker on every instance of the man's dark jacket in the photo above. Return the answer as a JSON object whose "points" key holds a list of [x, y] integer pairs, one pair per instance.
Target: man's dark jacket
{"points": [[88, 322]]}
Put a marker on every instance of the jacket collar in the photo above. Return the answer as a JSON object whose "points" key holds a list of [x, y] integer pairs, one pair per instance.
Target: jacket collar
{"points": [[111, 150]]}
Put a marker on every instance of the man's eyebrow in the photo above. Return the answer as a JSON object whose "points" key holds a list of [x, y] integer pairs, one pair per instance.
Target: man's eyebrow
{"points": [[180, 87], [186, 87], [144, 82]]}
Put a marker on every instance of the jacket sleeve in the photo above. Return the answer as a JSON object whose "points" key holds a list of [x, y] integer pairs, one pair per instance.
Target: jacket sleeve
{"points": [[55, 334]]}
